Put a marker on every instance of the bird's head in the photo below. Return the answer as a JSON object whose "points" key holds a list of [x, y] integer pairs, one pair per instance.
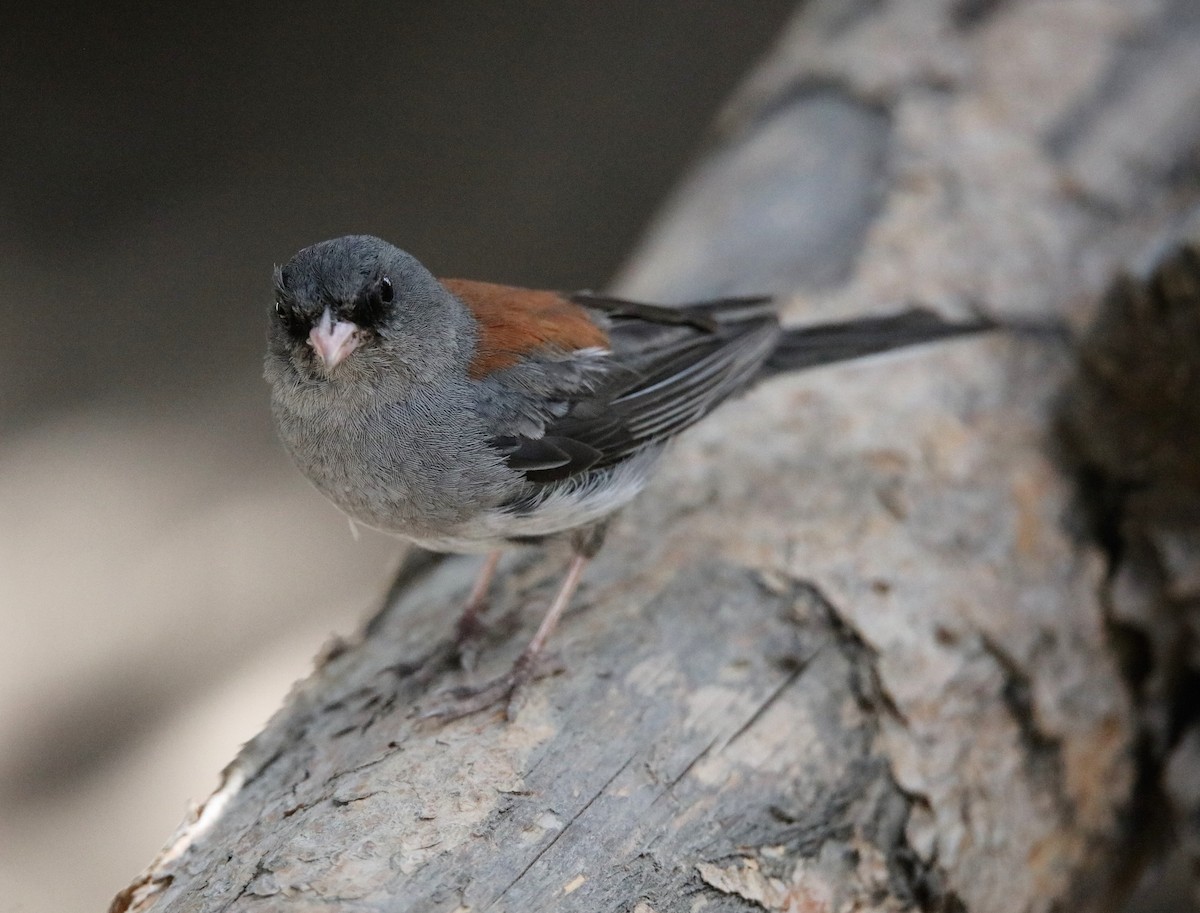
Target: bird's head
{"points": [[356, 305]]}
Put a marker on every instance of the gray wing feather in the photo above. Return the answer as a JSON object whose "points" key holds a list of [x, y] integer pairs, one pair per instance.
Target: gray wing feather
{"points": [[659, 378]]}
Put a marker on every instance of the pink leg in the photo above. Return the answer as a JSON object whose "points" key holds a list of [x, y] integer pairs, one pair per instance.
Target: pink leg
{"points": [[468, 621], [469, 700], [569, 585]]}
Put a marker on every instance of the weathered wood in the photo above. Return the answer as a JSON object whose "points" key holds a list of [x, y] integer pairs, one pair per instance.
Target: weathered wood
{"points": [[846, 652]]}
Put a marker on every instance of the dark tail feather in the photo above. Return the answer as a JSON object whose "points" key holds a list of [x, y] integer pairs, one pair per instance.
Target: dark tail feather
{"points": [[826, 343]]}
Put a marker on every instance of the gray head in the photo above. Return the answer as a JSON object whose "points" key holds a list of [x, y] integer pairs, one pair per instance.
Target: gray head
{"points": [[353, 307]]}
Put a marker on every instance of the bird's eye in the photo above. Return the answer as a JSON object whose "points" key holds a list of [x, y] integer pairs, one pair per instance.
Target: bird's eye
{"points": [[369, 309], [289, 320]]}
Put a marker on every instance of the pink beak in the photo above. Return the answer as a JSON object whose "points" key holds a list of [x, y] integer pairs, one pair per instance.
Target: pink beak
{"points": [[333, 339]]}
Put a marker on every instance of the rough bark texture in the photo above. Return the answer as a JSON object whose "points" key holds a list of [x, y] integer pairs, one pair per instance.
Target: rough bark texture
{"points": [[851, 650]]}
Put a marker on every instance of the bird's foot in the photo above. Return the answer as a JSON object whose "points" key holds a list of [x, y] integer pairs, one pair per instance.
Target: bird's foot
{"points": [[460, 651], [506, 689], [472, 634]]}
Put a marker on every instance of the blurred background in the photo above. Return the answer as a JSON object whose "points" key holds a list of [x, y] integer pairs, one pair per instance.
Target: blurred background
{"points": [[164, 573]]}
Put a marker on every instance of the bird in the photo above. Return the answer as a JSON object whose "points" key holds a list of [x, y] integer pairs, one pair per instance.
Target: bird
{"points": [[472, 417]]}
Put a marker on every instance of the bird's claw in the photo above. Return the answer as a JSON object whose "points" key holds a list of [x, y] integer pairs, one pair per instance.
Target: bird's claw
{"points": [[507, 689]]}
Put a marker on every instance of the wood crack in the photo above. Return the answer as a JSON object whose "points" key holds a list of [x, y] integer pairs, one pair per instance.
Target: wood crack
{"points": [[766, 705], [544, 850]]}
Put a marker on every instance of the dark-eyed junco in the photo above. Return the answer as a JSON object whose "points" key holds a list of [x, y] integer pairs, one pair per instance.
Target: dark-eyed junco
{"points": [[470, 417]]}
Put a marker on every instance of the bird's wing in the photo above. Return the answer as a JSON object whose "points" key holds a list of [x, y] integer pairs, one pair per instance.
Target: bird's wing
{"points": [[599, 379]]}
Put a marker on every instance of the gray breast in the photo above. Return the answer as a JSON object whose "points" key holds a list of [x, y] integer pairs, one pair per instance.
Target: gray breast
{"points": [[419, 467]]}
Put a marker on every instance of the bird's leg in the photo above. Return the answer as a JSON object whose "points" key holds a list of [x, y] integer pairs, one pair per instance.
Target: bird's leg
{"points": [[471, 699], [562, 599], [445, 653], [469, 627], [477, 601]]}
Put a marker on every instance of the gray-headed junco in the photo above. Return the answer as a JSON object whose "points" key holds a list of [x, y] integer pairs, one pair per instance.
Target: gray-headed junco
{"points": [[470, 417]]}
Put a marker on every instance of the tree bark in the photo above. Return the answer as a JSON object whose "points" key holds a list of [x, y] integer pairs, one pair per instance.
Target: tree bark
{"points": [[852, 649]]}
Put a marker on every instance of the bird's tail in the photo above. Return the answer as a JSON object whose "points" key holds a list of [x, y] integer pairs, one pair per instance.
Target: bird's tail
{"points": [[826, 343]]}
